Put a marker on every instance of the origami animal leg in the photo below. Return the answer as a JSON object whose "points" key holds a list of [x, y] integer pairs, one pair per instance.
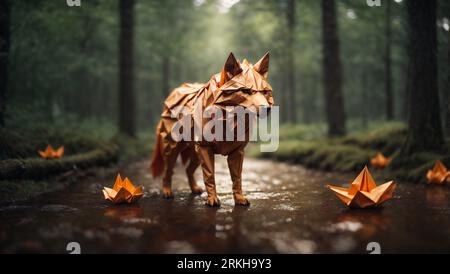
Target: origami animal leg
{"points": [[206, 155], [170, 157], [190, 170], [235, 161]]}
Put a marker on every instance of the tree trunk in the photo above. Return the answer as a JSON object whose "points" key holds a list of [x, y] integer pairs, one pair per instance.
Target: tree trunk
{"points": [[332, 70], [127, 106], [5, 16], [290, 61], [425, 129], [448, 85], [387, 65]]}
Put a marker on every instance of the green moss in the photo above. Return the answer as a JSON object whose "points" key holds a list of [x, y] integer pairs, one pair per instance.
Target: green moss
{"points": [[353, 152], [303, 132], [386, 139], [36, 168]]}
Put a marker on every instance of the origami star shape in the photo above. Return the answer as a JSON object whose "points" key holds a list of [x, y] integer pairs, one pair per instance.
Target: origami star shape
{"points": [[379, 161], [439, 174], [123, 192], [363, 191], [50, 153]]}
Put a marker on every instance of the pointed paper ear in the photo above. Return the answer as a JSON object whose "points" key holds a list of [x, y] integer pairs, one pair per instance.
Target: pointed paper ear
{"points": [[230, 69], [262, 66]]}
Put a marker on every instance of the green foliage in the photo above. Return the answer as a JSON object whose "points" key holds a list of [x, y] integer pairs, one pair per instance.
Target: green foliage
{"points": [[387, 138], [306, 145]]}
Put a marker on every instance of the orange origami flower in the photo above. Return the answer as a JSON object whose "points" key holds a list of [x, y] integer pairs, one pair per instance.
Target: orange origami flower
{"points": [[379, 161], [50, 153], [123, 192], [439, 174], [364, 192]]}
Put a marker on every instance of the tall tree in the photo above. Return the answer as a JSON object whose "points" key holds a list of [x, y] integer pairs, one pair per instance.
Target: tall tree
{"points": [[5, 12], [332, 70], [290, 14], [425, 129], [448, 81], [387, 64], [127, 104]]}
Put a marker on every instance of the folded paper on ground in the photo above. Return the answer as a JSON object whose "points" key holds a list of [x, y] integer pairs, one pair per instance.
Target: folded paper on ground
{"points": [[439, 174], [363, 192], [379, 161], [50, 153], [123, 191]]}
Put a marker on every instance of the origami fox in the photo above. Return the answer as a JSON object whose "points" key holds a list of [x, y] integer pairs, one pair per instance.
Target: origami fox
{"points": [[123, 191], [238, 84], [364, 192], [379, 161], [439, 174], [50, 153]]}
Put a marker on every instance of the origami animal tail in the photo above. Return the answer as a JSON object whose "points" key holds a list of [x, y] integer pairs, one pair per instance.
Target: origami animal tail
{"points": [[157, 164]]}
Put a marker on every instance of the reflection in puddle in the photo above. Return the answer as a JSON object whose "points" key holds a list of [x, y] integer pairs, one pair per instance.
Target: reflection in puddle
{"points": [[58, 208], [345, 226], [291, 212], [179, 247], [285, 207], [343, 244], [140, 221], [285, 243], [123, 212], [130, 232], [436, 195], [13, 207], [262, 195], [63, 230], [366, 223]]}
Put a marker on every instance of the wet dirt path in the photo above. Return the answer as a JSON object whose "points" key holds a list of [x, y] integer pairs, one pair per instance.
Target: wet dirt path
{"points": [[291, 212]]}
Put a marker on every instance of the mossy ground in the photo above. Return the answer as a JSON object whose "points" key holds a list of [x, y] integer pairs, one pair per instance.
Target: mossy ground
{"points": [[23, 174], [307, 145]]}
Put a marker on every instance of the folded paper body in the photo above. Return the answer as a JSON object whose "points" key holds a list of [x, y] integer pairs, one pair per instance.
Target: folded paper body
{"points": [[123, 192], [363, 192], [50, 153], [439, 174], [379, 161]]}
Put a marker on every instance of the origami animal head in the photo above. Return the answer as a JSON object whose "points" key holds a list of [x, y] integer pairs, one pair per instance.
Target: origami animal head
{"points": [[244, 84]]}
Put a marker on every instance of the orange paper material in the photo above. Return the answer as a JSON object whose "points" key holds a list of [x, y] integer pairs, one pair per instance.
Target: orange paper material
{"points": [[123, 192], [238, 84], [50, 153], [379, 161], [439, 174], [364, 192]]}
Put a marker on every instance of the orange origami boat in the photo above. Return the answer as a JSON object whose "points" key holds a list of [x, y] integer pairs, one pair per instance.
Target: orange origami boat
{"points": [[364, 192], [439, 174], [123, 192], [379, 161], [50, 153]]}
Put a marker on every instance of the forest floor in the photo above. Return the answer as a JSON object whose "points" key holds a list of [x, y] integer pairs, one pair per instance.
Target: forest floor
{"points": [[23, 174], [291, 211], [306, 145]]}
